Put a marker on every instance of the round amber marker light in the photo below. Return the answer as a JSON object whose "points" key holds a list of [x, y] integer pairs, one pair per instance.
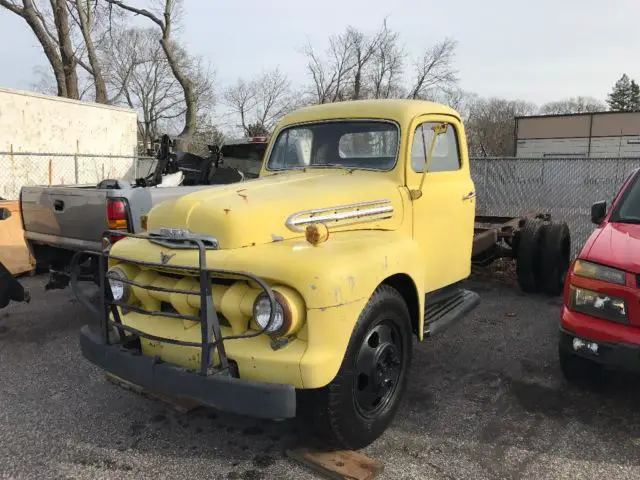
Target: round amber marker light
{"points": [[317, 233]]}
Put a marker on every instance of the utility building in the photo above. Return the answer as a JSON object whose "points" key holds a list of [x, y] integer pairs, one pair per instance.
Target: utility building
{"points": [[602, 134]]}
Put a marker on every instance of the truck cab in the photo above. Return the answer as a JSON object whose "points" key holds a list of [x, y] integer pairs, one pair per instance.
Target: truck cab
{"points": [[300, 292], [600, 318]]}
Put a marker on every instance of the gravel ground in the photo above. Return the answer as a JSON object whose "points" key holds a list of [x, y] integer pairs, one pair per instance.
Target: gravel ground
{"points": [[487, 401]]}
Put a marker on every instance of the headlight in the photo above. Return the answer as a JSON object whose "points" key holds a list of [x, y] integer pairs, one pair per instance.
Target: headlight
{"points": [[119, 289], [598, 304], [262, 313], [599, 272]]}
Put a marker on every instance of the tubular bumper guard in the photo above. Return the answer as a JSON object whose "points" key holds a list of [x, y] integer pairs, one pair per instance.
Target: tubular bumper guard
{"points": [[216, 385]]}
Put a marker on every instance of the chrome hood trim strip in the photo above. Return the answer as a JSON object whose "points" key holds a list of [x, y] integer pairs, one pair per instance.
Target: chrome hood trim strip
{"points": [[341, 215]]}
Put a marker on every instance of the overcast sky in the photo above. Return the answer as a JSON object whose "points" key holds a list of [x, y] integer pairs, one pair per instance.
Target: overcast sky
{"points": [[536, 50]]}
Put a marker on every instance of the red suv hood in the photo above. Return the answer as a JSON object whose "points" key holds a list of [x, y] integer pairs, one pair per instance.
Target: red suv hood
{"points": [[617, 245]]}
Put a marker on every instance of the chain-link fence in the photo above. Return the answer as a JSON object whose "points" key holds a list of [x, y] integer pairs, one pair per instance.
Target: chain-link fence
{"points": [[563, 187], [18, 169]]}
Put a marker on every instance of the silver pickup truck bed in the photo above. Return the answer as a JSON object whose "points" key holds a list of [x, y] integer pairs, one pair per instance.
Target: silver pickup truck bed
{"points": [[75, 217]]}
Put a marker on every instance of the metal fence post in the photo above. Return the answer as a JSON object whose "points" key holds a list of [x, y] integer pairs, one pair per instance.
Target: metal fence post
{"points": [[136, 161], [75, 167]]}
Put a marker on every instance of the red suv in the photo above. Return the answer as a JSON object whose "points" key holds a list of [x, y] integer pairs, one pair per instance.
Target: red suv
{"points": [[600, 321]]}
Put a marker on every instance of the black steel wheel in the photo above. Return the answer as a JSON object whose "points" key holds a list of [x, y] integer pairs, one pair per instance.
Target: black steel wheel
{"points": [[529, 247], [555, 257], [358, 405], [377, 369]]}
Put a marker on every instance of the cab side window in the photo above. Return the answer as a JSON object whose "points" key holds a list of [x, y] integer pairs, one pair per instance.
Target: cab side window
{"points": [[446, 155]]}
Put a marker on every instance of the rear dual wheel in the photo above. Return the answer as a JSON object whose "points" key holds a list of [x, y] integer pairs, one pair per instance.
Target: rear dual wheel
{"points": [[543, 256]]}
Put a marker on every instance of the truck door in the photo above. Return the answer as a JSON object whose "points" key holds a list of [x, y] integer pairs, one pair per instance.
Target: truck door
{"points": [[443, 216]]}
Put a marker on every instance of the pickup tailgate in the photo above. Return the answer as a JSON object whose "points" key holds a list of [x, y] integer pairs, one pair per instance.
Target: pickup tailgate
{"points": [[77, 213]]}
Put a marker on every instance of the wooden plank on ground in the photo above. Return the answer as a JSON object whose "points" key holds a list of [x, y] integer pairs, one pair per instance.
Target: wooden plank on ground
{"points": [[338, 464], [181, 405]]}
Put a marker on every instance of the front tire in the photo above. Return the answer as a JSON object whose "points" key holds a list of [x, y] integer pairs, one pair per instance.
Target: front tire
{"points": [[361, 401]]}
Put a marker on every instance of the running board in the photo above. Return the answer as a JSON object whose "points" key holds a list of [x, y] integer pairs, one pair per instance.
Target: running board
{"points": [[440, 315]]}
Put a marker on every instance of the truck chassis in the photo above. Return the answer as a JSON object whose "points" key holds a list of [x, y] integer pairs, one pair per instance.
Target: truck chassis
{"points": [[540, 247]]}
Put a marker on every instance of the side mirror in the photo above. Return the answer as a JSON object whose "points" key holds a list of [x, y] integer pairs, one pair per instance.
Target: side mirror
{"points": [[4, 213], [598, 212]]}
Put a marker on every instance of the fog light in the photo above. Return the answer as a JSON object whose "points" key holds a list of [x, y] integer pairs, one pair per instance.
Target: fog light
{"points": [[579, 344]]}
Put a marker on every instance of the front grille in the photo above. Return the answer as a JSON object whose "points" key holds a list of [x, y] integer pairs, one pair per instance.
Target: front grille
{"points": [[168, 308], [182, 239], [216, 279]]}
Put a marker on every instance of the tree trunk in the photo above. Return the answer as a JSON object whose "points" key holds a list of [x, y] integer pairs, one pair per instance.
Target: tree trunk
{"points": [[84, 16], [190, 121], [61, 19], [357, 83]]}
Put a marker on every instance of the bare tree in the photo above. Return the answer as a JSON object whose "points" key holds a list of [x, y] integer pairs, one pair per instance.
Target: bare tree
{"points": [[330, 75], [490, 126], [385, 76], [357, 66], [138, 75], [165, 22], [261, 103], [69, 32], [273, 99], [364, 50], [573, 105], [241, 98], [434, 69], [460, 100], [55, 47]]}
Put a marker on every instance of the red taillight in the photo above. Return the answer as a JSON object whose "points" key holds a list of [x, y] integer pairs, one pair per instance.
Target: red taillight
{"points": [[117, 215]]}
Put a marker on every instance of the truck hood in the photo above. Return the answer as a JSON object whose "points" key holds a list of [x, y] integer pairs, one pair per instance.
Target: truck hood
{"points": [[617, 245], [256, 212]]}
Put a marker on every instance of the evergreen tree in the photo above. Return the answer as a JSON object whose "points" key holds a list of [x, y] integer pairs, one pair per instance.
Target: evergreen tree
{"points": [[634, 96], [621, 98]]}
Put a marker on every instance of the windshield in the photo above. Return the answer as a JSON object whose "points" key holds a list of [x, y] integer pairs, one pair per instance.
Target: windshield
{"points": [[362, 144], [628, 210]]}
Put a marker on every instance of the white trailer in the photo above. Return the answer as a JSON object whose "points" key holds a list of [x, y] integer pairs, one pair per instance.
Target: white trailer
{"points": [[48, 140]]}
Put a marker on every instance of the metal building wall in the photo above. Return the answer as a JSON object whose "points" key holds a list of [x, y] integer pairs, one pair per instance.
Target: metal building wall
{"points": [[602, 134]]}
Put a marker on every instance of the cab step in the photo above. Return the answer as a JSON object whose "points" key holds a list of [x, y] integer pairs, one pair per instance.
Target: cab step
{"points": [[445, 308]]}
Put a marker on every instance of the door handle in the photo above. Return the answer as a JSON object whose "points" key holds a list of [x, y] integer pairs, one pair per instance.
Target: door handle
{"points": [[469, 196], [58, 205]]}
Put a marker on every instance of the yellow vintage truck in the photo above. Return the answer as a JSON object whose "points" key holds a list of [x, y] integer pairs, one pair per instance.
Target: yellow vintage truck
{"points": [[300, 292]]}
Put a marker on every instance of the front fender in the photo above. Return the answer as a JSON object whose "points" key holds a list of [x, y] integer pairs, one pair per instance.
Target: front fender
{"points": [[336, 280]]}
